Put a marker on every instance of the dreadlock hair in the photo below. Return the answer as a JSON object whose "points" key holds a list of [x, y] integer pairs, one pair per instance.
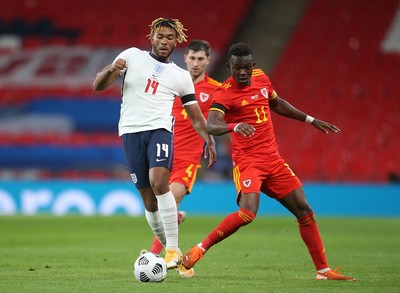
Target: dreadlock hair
{"points": [[174, 24], [199, 45], [239, 49]]}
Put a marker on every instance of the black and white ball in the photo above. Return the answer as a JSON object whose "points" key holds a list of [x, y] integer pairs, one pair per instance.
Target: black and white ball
{"points": [[150, 267]]}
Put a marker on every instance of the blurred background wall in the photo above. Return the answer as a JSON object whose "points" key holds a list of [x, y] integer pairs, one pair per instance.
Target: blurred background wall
{"points": [[336, 60]]}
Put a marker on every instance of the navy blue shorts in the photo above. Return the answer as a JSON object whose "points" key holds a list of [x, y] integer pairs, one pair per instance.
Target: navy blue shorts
{"points": [[145, 150]]}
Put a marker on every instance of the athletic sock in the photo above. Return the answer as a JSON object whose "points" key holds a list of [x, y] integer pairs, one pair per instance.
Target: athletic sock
{"points": [[169, 215], [155, 223], [157, 247], [229, 225], [311, 237]]}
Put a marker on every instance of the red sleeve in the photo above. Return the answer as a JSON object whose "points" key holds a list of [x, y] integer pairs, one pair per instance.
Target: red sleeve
{"points": [[221, 97]]}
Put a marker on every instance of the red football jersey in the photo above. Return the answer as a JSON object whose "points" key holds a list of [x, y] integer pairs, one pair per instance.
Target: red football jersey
{"points": [[187, 143], [250, 104]]}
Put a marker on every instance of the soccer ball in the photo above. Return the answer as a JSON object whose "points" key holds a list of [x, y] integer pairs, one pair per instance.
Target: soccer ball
{"points": [[150, 267]]}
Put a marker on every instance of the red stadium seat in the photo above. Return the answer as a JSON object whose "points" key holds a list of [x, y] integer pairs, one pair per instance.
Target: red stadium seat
{"points": [[334, 68]]}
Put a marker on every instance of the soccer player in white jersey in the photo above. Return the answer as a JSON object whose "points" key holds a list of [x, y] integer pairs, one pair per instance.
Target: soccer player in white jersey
{"points": [[151, 82]]}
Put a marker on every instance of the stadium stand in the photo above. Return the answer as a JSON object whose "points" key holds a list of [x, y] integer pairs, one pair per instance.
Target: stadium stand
{"points": [[52, 123], [337, 66], [122, 23]]}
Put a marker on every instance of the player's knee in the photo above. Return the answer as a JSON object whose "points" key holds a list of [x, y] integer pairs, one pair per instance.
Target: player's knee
{"points": [[178, 198], [159, 187], [306, 219], [302, 212], [246, 215]]}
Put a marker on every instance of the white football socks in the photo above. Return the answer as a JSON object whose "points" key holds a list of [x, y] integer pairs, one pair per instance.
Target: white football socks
{"points": [[155, 223], [169, 216]]}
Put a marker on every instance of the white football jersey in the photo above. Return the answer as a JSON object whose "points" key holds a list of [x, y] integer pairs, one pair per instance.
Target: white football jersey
{"points": [[149, 88]]}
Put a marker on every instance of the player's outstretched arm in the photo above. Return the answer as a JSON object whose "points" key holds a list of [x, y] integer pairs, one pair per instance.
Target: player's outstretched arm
{"points": [[284, 108], [324, 126], [109, 74]]}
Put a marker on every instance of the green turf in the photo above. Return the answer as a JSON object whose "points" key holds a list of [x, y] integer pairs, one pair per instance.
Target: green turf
{"points": [[95, 254]]}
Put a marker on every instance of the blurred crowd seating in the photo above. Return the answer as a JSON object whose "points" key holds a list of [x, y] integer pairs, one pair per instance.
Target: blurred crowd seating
{"points": [[334, 68], [53, 128], [119, 23]]}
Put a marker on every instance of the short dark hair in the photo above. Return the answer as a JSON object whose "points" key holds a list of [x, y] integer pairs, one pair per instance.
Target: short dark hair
{"points": [[199, 45], [239, 49]]}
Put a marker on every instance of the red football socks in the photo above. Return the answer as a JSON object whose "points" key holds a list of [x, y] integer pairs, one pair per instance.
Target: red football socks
{"points": [[310, 235], [229, 225]]}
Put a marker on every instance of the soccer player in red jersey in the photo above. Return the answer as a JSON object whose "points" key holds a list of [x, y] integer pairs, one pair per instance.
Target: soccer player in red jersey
{"points": [[242, 107], [188, 145]]}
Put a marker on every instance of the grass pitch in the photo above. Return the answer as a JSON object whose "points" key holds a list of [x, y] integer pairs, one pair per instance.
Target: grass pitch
{"points": [[96, 254]]}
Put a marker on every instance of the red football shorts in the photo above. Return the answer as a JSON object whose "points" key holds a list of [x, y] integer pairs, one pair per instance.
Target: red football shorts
{"points": [[184, 172], [275, 179]]}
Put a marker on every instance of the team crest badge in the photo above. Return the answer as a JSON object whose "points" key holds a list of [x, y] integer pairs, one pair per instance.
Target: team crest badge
{"points": [[247, 182], [159, 69], [204, 97], [264, 92], [134, 178]]}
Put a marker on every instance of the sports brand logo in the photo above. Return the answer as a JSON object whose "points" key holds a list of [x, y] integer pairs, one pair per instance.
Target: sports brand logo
{"points": [[134, 178], [247, 182], [204, 97], [160, 160], [254, 97]]}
